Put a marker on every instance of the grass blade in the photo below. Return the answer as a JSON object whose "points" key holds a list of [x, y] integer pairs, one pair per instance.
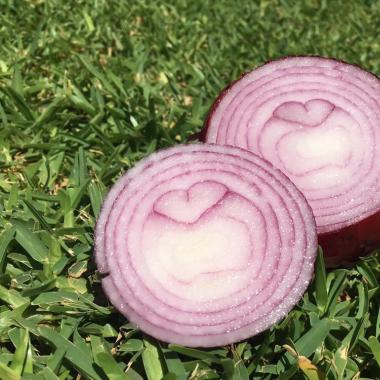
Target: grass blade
{"points": [[6, 237], [320, 282], [105, 360], [337, 287], [152, 362], [193, 353], [78, 358], [20, 355], [110, 367], [7, 373], [107, 85], [375, 348], [48, 374], [30, 242], [12, 297], [96, 197], [19, 101], [38, 216], [312, 339]]}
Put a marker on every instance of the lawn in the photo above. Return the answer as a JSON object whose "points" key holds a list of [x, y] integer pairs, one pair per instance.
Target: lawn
{"points": [[87, 88]]}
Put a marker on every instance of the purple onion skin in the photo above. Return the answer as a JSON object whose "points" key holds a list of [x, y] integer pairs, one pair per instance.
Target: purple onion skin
{"points": [[203, 133], [344, 246]]}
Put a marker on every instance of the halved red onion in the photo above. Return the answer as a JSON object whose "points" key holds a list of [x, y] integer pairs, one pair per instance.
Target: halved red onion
{"points": [[317, 120], [205, 245]]}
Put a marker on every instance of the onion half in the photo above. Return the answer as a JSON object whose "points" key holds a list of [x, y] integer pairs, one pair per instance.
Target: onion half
{"points": [[205, 245], [318, 121]]}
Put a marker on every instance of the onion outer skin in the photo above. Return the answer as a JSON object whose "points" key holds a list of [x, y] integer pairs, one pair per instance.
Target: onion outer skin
{"points": [[360, 235], [343, 247], [207, 324]]}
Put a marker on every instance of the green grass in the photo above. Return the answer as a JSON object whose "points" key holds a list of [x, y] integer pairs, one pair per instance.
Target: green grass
{"points": [[87, 88]]}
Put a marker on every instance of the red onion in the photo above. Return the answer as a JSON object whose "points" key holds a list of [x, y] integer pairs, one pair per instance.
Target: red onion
{"points": [[205, 245], [317, 120]]}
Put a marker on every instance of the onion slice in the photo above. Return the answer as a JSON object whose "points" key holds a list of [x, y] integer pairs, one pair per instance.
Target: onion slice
{"points": [[205, 245], [318, 121]]}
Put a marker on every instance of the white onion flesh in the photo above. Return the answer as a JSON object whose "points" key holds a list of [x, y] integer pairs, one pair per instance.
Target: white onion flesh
{"points": [[205, 245], [318, 121]]}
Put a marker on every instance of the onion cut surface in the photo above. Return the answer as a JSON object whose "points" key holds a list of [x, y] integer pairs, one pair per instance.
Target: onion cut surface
{"points": [[318, 121], [205, 245]]}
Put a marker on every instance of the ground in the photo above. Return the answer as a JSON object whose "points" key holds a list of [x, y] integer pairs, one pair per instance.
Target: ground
{"points": [[87, 88]]}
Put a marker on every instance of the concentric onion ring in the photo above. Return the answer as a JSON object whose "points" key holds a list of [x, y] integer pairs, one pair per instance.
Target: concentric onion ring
{"points": [[318, 121], [205, 245]]}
